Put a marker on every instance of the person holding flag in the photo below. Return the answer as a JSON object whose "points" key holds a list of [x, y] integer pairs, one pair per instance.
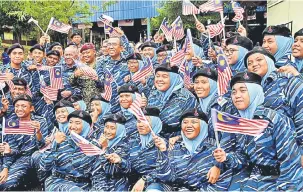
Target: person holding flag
{"points": [[76, 174], [23, 133], [76, 38], [142, 147], [149, 51], [283, 92], [267, 161], [194, 155], [135, 65], [170, 98], [164, 53], [111, 174], [236, 48], [56, 46]]}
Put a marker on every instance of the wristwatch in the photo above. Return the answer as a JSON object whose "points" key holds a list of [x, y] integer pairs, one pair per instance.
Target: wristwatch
{"points": [[144, 178]]}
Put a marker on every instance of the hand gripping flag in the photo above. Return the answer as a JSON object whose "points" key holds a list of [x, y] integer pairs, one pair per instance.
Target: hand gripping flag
{"points": [[179, 57], [85, 146], [211, 6], [106, 19], [186, 78], [144, 71], [232, 124], [224, 73], [13, 126], [188, 8], [111, 31], [238, 11]]}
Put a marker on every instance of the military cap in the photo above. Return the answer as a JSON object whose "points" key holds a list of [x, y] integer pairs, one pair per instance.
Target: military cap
{"points": [[277, 30], [87, 46], [299, 33], [98, 98], [23, 97], [75, 98], [53, 52], [37, 46], [194, 113], [19, 81], [135, 56], [163, 48], [148, 44], [115, 118], [14, 46], [246, 77], [151, 111], [71, 44], [128, 88], [206, 72], [62, 103], [261, 50], [240, 41], [167, 68], [75, 34], [81, 115], [55, 44]]}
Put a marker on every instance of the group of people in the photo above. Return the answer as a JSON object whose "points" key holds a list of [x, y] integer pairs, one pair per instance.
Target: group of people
{"points": [[176, 148]]}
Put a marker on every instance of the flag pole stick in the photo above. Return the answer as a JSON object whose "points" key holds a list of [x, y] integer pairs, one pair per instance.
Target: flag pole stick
{"points": [[209, 40], [195, 17], [104, 31], [175, 44], [214, 121], [222, 20], [3, 127], [2, 92]]}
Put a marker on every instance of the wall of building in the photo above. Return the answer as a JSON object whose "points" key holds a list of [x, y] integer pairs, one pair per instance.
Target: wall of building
{"points": [[284, 11]]}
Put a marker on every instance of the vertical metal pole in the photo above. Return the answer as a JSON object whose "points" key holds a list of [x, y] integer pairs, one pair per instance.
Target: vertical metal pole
{"points": [[148, 28]]}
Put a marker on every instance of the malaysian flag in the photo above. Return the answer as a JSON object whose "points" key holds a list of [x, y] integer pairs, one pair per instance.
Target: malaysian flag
{"points": [[106, 19], [89, 72], [111, 31], [2, 77], [211, 5], [43, 67], [224, 73], [135, 108], [56, 25], [177, 29], [28, 91], [232, 124], [18, 127], [56, 77], [238, 11], [108, 91], [49, 92], [188, 8], [215, 29], [10, 84], [144, 71], [167, 30], [186, 78], [178, 58], [85, 146]]}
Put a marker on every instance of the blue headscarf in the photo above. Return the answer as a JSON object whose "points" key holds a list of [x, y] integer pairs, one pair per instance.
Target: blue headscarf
{"points": [[85, 130], [120, 133], [239, 65], [63, 127], [299, 64], [284, 45], [270, 68], [141, 64], [82, 105], [204, 102], [256, 98], [176, 83], [105, 107], [156, 126], [192, 145], [198, 51], [126, 113]]}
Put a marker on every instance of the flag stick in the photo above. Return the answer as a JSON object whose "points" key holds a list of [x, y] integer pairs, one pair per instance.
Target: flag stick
{"points": [[3, 127], [175, 44], [214, 121], [195, 17], [209, 40], [2, 92], [104, 31], [222, 20]]}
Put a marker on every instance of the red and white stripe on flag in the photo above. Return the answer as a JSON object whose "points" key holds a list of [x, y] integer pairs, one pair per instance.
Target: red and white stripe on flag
{"points": [[135, 108], [58, 26], [188, 8], [144, 72], [238, 11], [56, 77], [215, 29], [89, 72], [49, 92], [18, 127]]}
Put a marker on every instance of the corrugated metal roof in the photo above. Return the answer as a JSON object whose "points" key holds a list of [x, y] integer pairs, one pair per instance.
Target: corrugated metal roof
{"points": [[123, 10]]}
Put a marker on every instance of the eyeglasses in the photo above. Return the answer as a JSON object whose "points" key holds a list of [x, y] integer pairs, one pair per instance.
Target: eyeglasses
{"points": [[229, 51]]}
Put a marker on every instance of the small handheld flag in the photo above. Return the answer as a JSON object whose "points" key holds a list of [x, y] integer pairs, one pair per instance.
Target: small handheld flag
{"points": [[211, 6], [238, 11], [108, 91], [144, 71], [224, 73], [166, 29], [188, 8], [18, 127], [58, 26], [56, 77], [177, 29]]}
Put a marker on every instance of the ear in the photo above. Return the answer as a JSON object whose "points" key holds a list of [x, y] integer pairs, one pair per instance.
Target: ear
{"points": [[32, 108]]}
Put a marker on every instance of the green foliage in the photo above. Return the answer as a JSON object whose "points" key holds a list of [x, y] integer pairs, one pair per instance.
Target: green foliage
{"points": [[172, 9]]}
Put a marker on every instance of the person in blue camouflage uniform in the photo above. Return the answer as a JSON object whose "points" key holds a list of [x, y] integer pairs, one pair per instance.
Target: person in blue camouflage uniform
{"points": [[273, 156], [100, 108], [236, 48], [149, 51], [116, 64], [170, 98], [135, 64], [111, 175], [283, 92], [75, 175], [190, 165], [164, 52], [78, 102], [58, 47], [297, 68], [126, 98], [61, 111], [20, 147], [143, 152], [278, 41], [88, 85]]}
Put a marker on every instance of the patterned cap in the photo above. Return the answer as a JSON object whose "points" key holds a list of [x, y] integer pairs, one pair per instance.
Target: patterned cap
{"points": [[277, 30], [19, 81], [194, 113], [23, 97], [81, 115], [246, 77]]}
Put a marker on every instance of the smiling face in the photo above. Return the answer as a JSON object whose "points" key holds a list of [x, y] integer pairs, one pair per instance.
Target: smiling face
{"points": [[70, 55], [75, 124], [297, 47], [162, 80], [18, 90], [256, 63], [61, 115], [189, 52], [125, 100], [89, 55], [202, 86], [95, 105], [52, 60], [37, 55], [23, 109], [143, 128], [110, 130], [114, 47], [191, 127], [77, 39], [270, 44], [231, 52], [149, 52], [240, 96], [17, 56], [133, 65], [161, 56]]}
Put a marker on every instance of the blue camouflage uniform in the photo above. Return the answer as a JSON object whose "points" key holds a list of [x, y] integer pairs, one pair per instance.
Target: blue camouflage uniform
{"points": [[67, 72]]}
